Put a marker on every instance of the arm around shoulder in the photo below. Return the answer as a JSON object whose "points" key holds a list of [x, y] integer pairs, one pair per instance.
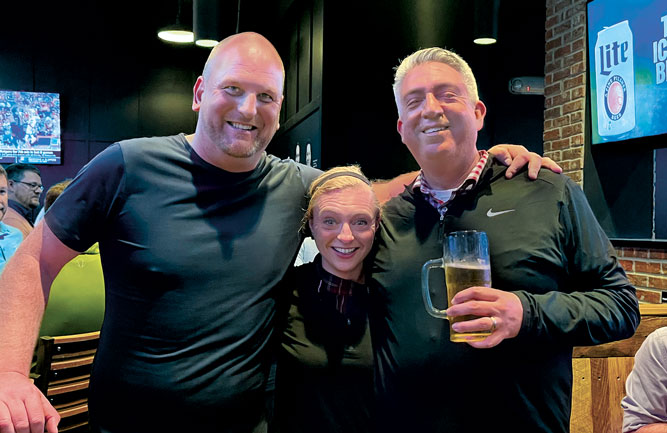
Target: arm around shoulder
{"points": [[387, 189]]}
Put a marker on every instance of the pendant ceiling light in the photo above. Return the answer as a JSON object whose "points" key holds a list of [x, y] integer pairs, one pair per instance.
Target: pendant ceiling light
{"points": [[178, 32], [486, 22], [210, 24], [206, 20]]}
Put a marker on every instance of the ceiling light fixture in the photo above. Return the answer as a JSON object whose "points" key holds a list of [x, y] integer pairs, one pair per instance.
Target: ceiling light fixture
{"points": [[486, 22], [210, 24], [206, 20], [177, 32]]}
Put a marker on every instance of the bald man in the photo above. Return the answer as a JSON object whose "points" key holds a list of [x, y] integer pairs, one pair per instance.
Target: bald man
{"points": [[185, 226], [195, 234]]}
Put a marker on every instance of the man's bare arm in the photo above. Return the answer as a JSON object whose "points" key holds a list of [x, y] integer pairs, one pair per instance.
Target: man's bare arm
{"points": [[653, 428], [386, 189], [24, 289]]}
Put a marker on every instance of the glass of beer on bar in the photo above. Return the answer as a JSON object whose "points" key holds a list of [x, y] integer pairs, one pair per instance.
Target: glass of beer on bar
{"points": [[465, 260]]}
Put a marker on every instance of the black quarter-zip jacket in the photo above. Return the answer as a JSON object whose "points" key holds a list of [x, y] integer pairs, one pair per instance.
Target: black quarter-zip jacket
{"points": [[546, 247]]}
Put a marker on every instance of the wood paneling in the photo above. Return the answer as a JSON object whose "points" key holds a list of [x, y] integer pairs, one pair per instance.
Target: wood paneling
{"points": [[305, 64], [597, 389], [599, 374], [627, 347], [301, 48]]}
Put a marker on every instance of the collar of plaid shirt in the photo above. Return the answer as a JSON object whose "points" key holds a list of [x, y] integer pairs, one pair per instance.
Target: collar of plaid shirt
{"points": [[337, 286], [467, 185]]}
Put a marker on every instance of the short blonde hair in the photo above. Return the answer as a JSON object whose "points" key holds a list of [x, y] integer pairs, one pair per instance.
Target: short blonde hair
{"points": [[326, 183]]}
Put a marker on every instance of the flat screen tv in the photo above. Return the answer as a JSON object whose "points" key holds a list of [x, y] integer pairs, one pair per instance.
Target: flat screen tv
{"points": [[627, 50], [30, 124]]}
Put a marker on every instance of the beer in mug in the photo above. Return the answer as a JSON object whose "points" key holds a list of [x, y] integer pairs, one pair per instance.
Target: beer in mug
{"points": [[466, 263], [460, 276]]}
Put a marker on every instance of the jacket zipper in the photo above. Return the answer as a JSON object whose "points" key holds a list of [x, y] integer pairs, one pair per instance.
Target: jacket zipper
{"points": [[441, 228]]}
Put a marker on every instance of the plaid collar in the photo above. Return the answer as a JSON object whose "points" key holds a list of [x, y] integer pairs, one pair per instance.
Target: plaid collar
{"points": [[330, 283], [468, 184]]}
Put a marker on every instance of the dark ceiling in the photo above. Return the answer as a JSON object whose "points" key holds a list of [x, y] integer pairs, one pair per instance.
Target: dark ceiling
{"points": [[368, 38], [520, 50], [102, 40]]}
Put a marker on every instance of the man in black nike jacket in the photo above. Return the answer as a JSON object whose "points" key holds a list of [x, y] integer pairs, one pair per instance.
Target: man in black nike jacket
{"points": [[556, 283]]}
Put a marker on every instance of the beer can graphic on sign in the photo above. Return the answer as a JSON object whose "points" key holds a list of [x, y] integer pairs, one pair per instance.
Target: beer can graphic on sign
{"points": [[615, 80]]}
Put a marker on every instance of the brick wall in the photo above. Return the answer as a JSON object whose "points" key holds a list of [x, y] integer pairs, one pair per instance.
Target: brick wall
{"points": [[647, 270], [564, 119]]}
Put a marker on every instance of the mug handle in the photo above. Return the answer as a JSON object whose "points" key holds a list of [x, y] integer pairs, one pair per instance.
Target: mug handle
{"points": [[428, 303]]}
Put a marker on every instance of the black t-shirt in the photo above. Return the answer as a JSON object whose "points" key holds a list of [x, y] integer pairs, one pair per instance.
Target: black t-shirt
{"points": [[192, 257]]}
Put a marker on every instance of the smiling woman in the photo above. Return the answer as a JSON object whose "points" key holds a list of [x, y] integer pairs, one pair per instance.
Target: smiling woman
{"points": [[324, 380], [342, 217]]}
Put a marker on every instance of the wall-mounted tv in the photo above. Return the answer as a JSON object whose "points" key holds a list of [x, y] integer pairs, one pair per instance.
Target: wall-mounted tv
{"points": [[30, 123], [627, 50]]}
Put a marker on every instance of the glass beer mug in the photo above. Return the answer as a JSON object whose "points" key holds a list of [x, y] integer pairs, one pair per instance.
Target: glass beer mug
{"points": [[466, 263]]}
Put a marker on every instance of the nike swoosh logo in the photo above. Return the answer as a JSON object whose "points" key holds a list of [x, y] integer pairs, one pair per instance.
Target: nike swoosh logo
{"points": [[490, 213]]}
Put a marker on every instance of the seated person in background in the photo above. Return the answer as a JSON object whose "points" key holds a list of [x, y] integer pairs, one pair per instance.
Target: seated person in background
{"points": [[10, 237], [324, 379], [645, 402], [76, 303], [25, 188]]}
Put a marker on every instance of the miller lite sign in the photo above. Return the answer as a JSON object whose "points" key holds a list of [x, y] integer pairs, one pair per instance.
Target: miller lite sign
{"points": [[615, 80]]}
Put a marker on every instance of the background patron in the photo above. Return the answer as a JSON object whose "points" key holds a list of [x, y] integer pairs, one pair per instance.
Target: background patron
{"points": [[25, 187], [10, 237]]}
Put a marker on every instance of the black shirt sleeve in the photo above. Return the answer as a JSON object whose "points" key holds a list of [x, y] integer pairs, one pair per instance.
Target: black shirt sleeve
{"points": [[600, 305], [79, 216]]}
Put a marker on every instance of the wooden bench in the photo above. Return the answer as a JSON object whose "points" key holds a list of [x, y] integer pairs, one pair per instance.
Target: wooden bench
{"points": [[599, 374]]}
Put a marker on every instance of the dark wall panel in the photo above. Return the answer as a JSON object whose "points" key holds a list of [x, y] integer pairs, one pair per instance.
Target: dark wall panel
{"points": [[116, 79], [290, 55], [661, 193], [300, 45], [305, 64], [61, 55], [166, 102], [73, 85], [15, 62], [619, 183], [114, 108]]}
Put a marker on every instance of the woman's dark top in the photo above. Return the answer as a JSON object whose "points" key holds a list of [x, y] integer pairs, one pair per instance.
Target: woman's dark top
{"points": [[324, 380]]}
